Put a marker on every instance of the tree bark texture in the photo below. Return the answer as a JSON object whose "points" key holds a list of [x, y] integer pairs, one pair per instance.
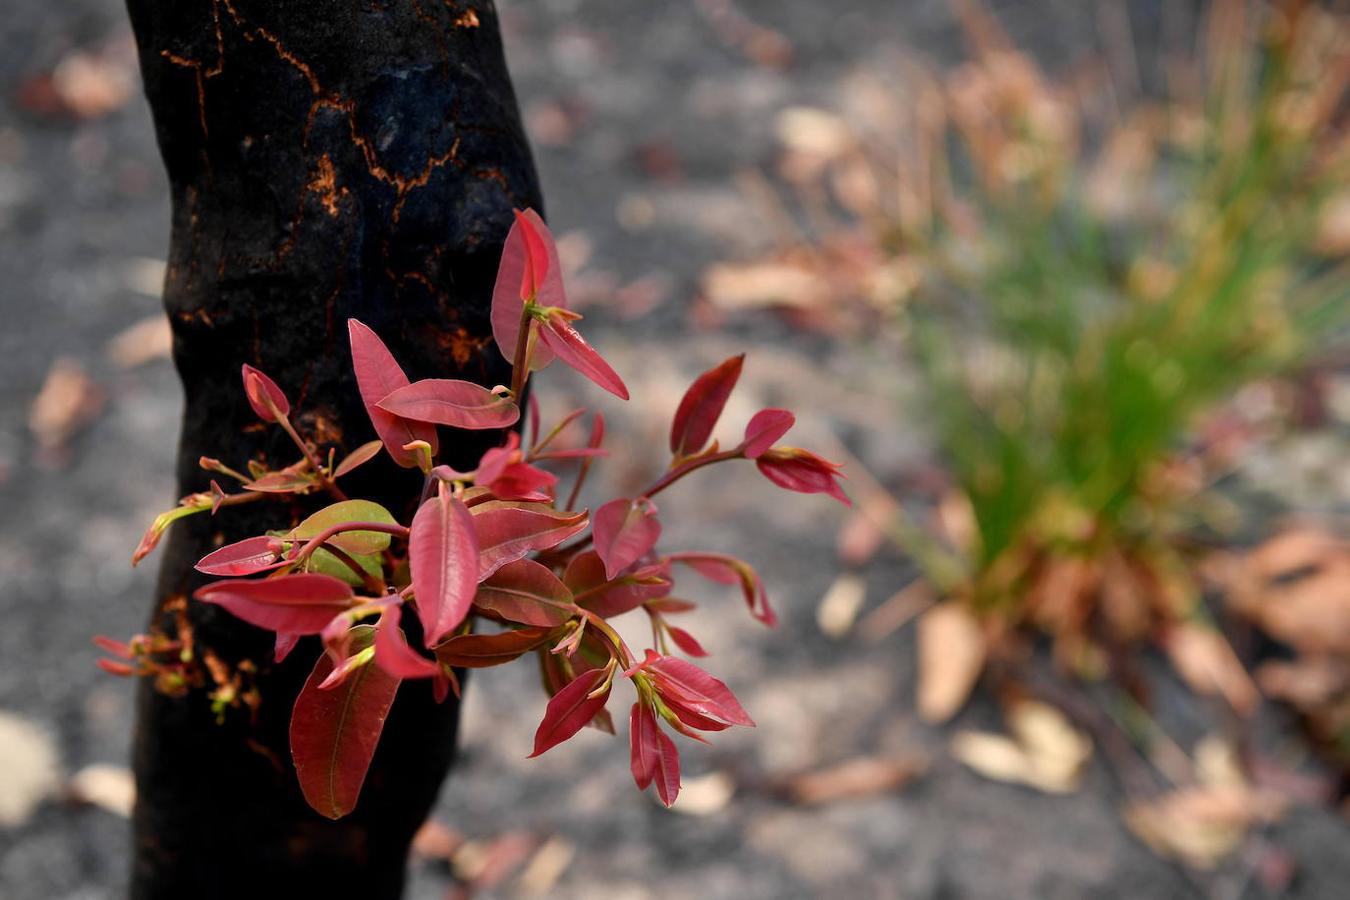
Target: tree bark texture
{"points": [[327, 159]]}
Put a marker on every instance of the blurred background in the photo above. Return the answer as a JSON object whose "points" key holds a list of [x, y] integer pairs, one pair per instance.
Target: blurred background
{"points": [[1063, 283]]}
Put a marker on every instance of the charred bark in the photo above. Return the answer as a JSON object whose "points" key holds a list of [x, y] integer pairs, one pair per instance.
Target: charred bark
{"points": [[326, 160]]}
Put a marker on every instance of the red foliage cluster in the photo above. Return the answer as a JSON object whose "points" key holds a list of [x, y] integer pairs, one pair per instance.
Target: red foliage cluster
{"points": [[486, 547]]}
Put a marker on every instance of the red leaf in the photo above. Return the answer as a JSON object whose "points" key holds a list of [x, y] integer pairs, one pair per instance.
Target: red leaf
{"points": [[448, 401], [726, 569], [625, 531], [766, 427], [536, 256], [284, 645], [508, 530], [509, 293], [667, 774], [525, 591], [586, 574], [479, 651], [294, 604], [443, 558], [247, 557], [281, 483], [644, 749], [260, 391], [360, 456], [392, 652], [702, 406], [334, 733], [570, 710], [377, 376], [503, 471], [685, 641], [802, 471], [559, 336], [685, 684]]}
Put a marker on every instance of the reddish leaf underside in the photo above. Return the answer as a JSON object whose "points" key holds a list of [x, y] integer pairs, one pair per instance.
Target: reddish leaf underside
{"points": [[377, 376], [508, 530], [702, 406], [586, 574], [570, 709], [479, 651], [526, 592], [334, 732], [558, 335], [667, 774], [685, 683], [643, 746], [392, 652], [443, 558], [449, 401], [293, 604], [247, 557]]}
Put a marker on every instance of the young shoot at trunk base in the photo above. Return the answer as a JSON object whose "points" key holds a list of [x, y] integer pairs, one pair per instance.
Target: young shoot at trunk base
{"points": [[494, 564]]}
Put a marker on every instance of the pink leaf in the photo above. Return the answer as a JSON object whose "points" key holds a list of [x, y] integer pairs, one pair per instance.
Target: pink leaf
{"points": [[377, 376], [479, 651], [508, 530], [247, 557], [525, 591], [570, 710], [766, 427], [559, 336], [262, 391], [518, 270], [625, 531], [443, 558], [334, 733], [294, 604], [702, 406], [392, 652], [448, 401], [358, 457]]}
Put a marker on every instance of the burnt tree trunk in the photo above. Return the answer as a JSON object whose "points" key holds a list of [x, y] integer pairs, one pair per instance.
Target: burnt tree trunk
{"points": [[326, 160]]}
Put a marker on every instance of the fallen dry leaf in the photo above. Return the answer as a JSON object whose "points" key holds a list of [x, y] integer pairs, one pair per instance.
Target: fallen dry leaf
{"points": [[1208, 664], [31, 769], [147, 340], [434, 840], [864, 776], [67, 401], [546, 866], [1199, 826], [110, 788], [838, 609], [951, 657], [1044, 751], [756, 285], [705, 795]]}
